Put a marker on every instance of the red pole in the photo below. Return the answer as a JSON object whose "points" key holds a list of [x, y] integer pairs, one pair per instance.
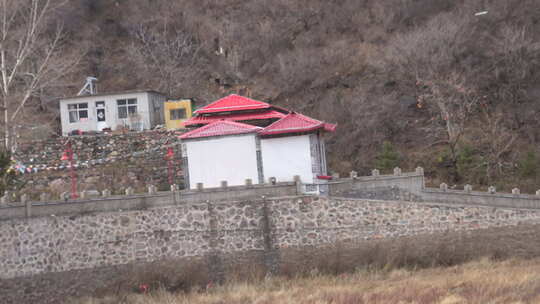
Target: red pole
{"points": [[170, 173], [72, 171], [170, 157]]}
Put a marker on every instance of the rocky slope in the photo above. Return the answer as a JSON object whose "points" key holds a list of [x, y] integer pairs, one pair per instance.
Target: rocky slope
{"points": [[453, 91]]}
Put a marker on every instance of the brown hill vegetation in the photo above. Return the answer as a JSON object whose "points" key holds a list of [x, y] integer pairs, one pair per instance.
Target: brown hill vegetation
{"points": [[452, 91], [484, 281]]}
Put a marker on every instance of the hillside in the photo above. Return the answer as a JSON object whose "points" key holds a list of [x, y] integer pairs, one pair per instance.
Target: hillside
{"points": [[451, 91], [484, 281]]}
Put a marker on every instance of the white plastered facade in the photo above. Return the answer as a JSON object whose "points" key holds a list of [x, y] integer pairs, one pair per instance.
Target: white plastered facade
{"points": [[285, 157], [226, 158], [149, 110]]}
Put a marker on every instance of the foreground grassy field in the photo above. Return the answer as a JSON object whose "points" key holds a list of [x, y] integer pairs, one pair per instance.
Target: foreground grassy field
{"points": [[483, 281]]}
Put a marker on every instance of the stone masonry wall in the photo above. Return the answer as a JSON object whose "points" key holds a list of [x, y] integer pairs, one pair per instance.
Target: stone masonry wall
{"points": [[317, 221], [62, 243], [410, 186], [120, 159]]}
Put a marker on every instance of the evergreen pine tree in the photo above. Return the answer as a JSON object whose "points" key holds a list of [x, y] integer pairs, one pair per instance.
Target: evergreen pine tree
{"points": [[388, 157], [8, 177], [528, 167]]}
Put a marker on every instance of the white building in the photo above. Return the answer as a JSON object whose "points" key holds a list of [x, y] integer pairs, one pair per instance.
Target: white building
{"points": [[230, 151], [136, 110], [294, 145], [221, 151]]}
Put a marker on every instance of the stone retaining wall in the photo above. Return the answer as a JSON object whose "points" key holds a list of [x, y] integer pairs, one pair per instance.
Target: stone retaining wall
{"points": [[70, 242], [105, 160], [410, 186]]}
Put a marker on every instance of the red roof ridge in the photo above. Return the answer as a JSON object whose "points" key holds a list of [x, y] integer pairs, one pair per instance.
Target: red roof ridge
{"points": [[220, 128], [202, 120], [295, 122], [233, 102]]}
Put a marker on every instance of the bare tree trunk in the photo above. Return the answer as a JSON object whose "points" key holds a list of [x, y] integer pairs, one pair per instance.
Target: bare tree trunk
{"points": [[7, 133], [31, 56]]}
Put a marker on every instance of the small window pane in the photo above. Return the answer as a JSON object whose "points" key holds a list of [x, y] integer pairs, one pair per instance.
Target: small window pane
{"points": [[72, 107], [83, 106], [73, 116], [121, 102], [122, 112], [132, 101], [178, 114], [83, 114], [132, 110]]}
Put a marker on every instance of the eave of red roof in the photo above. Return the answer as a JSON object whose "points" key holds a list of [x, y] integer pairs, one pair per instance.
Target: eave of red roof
{"points": [[233, 102], [296, 123], [203, 120], [220, 128]]}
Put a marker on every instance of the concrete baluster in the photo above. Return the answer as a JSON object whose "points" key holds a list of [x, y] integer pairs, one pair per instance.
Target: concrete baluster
{"points": [[129, 191], [353, 174], [397, 171], [152, 189], [467, 188], [419, 170], [4, 200], [516, 191], [28, 204], [200, 186], [106, 193], [224, 184], [375, 172], [65, 196], [249, 182], [443, 187], [492, 189]]}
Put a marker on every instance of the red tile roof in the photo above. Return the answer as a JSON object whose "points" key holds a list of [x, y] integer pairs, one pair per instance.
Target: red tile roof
{"points": [[294, 123], [233, 102], [203, 120], [219, 128]]}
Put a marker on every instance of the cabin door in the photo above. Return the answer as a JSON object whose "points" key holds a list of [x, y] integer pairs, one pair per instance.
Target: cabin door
{"points": [[101, 115]]}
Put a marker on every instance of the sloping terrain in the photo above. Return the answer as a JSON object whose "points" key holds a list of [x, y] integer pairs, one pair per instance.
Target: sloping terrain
{"points": [[484, 281], [452, 90]]}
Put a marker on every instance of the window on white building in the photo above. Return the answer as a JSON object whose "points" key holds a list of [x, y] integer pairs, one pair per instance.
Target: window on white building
{"points": [[126, 107], [78, 112]]}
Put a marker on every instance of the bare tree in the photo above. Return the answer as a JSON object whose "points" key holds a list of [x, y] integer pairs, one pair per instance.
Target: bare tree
{"points": [[517, 57], [167, 51], [497, 141], [31, 57], [454, 102], [430, 56]]}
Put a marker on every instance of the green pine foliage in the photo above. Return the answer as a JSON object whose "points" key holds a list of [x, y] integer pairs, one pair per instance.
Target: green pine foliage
{"points": [[528, 166], [468, 163], [388, 158], [8, 178]]}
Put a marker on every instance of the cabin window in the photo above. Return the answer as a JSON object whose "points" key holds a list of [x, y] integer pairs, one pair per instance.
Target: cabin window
{"points": [[126, 107], [178, 114], [78, 112]]}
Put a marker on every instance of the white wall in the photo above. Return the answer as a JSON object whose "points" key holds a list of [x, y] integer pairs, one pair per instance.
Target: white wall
{"points": [[111, 111], [230, 158], [285, 157]]}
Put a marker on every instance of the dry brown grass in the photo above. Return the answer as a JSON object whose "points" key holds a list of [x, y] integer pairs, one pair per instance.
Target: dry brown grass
{"points": [[483, 281]]}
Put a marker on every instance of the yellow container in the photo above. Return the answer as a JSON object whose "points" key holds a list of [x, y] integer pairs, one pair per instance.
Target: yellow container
{"points": [[176, 112]]}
